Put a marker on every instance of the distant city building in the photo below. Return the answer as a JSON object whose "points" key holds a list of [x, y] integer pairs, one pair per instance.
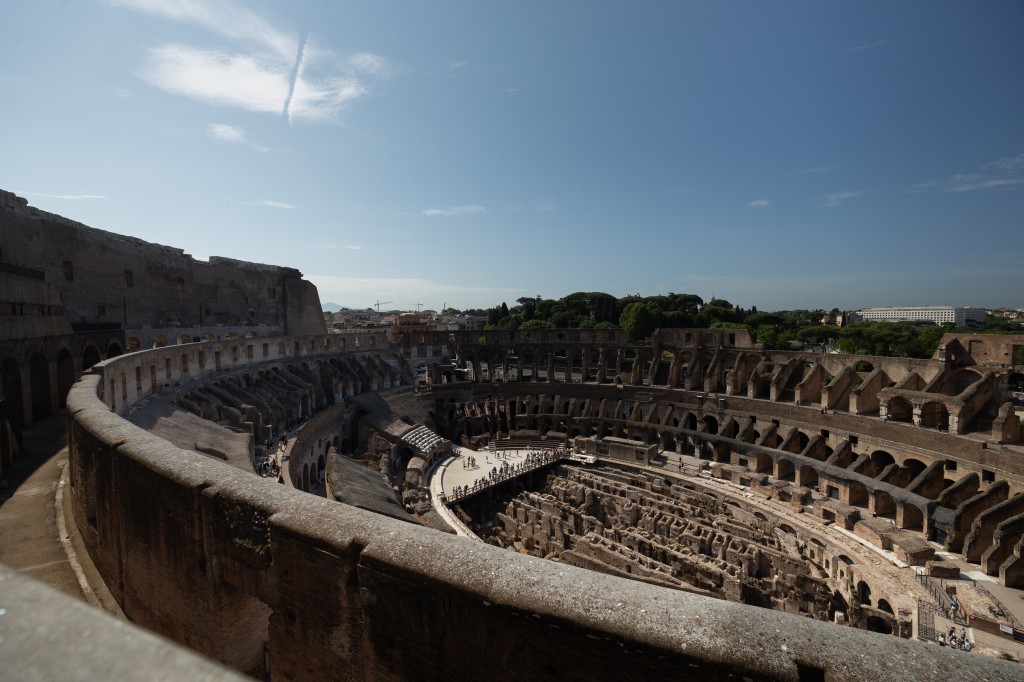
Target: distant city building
{"points": [[939, 314]]}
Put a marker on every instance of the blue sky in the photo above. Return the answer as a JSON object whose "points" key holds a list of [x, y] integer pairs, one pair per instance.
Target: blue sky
{"points": [[784, 154]]}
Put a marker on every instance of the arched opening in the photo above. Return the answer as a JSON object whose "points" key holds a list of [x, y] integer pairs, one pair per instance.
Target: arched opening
{"points": [[914, 466], [879, 460], [962, 380], [159, 341], [899, 410], [65, 374], [690, 421], [864, 367], [934, 415], [114, 349], [10, 381], [863, 593], [883, 605], [133, 343], [858, 494], [913, 519], [39, 378], [878, 624], [710, 424], [764, 463], [90, 356], [885, 505], [785, 471], [808, 476]]}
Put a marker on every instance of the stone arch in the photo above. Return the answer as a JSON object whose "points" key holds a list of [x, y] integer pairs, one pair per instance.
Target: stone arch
{"points": [[65, 374], [913, 518], [785, 470], [159, 341], [884, 504], [884, 605], [133, 343], [39, 383], [935, 415], [10, 382], [690, 421], [899, 409], [878, 624], [858, 494], [764, 463], [114, 349], [915, 466], [863, 593], [841, 567], [184, 337], [710, 424], [962, 380], [251, 334], [808, 476], [879, 460], [209, 336], [90, 356], [8, 443]]}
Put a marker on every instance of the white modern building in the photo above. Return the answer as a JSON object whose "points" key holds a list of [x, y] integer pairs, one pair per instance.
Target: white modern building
{"points": [[939, 314]]}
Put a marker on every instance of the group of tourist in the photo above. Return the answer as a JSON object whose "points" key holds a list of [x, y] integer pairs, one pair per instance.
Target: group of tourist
{"points": [[268, 467], [535, 457], [954, 641]]}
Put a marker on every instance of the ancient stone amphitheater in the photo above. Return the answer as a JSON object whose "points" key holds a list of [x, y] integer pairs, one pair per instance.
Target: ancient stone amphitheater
{"points": [[728, 478]]}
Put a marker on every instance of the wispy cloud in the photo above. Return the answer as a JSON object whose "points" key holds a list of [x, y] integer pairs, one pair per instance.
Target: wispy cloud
{"points": [[511, 90], [866, 46], [456, 68], [836, 198], [263, 69], [758, 203], [546, 207], [224, 17], [67, 197], [229, 133], [454, 210], [273, 204], [817, 169], [1001, 174], [1009, 163], [682, 190], [992, 183]]}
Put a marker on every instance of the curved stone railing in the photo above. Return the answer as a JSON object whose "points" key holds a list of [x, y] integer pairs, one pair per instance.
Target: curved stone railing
{"points": [[224, 561]]}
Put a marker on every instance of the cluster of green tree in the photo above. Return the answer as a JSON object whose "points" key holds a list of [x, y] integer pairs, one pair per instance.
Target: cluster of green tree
{"points": [[785, 329]]}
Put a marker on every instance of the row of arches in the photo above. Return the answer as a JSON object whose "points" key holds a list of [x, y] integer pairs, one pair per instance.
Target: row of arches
{"points": [[38, 384]]}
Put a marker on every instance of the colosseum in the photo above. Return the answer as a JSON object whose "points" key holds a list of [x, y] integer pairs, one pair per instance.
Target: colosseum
{"points": [[299, 504]]}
